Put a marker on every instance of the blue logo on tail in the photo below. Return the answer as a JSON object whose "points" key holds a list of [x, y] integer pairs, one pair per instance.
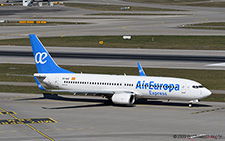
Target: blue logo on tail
{"points": [[40, 57], [43, 60]]}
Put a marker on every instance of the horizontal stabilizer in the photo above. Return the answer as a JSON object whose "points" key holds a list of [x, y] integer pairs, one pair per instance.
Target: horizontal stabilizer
{"points": [[39, 84]]}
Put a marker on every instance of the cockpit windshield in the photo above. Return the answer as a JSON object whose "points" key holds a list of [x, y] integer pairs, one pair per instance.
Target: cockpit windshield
{"points": [[197, 87]]}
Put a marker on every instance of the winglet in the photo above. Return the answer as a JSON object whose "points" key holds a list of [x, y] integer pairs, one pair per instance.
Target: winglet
{"points": [[39, 84], [141, 71]]}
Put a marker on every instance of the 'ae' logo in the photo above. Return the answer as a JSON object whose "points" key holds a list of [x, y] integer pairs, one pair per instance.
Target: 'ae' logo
{"points": [[40, 57]]}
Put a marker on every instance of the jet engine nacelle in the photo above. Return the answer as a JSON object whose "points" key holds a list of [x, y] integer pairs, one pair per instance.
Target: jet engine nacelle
{"points": [[123, 98]]}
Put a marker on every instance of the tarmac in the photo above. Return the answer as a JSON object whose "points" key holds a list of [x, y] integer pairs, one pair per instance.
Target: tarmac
{"points": [[52, 117]]}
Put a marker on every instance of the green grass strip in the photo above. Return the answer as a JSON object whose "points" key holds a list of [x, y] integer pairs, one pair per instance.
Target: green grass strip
{"points": [[20, 89], [215, 98], [210, 26], [145, 42], [208, 4]]}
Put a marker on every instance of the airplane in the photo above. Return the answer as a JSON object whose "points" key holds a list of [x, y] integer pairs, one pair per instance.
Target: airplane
{"points": [[119, 89]]}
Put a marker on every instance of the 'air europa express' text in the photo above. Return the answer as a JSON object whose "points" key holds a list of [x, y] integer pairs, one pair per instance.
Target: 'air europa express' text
{"points": [[157, 86]]}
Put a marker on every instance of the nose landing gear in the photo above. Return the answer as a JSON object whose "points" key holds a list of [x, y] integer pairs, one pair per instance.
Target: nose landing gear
{"points": [[190, 105], [191, 102]]}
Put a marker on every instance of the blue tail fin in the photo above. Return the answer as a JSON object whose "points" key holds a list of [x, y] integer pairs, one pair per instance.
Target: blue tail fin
{"points": [[141, 71], [43, 60]]}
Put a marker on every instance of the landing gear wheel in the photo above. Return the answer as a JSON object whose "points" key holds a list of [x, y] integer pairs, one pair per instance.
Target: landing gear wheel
{"points": [[190, 105]]}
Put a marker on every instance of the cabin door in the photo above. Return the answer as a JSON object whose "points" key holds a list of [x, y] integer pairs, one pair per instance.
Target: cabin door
{"points": [[183, 88], [57, 82]]}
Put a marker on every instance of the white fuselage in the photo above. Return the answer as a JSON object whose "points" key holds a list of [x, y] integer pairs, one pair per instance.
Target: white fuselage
{"points": [[141, 86]]}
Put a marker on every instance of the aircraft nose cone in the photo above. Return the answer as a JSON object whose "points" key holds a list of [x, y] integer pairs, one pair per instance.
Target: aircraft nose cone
{"points": [[207, 93]]}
